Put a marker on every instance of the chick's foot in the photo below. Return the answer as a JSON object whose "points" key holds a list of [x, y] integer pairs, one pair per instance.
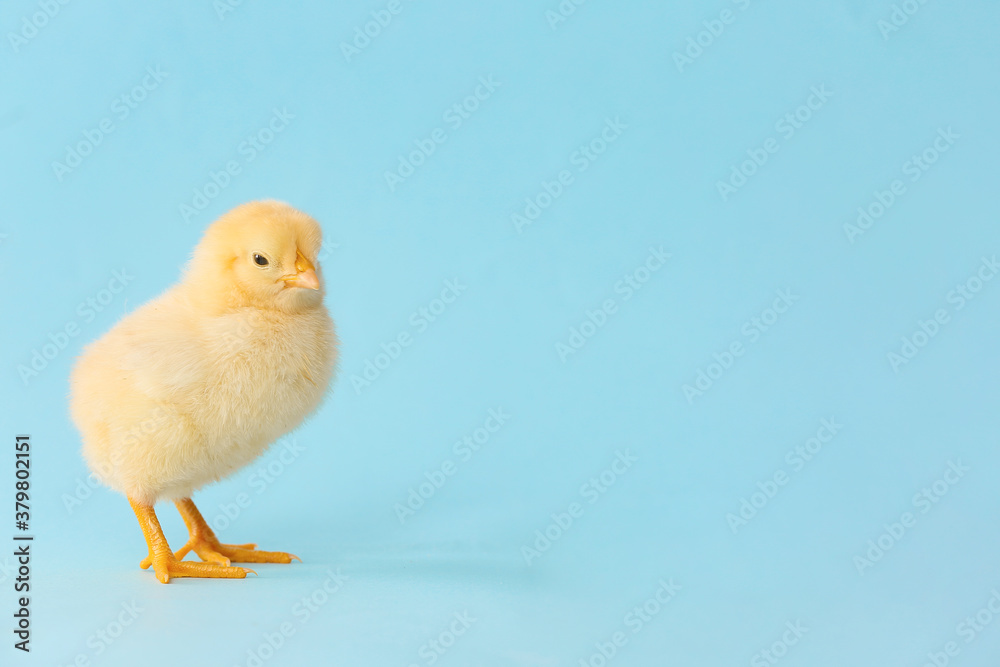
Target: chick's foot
{"points": [[209, 549], [204, 542], [169, 567], [166, 565]]}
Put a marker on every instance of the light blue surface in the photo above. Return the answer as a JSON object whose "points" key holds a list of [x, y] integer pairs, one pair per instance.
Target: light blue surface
{"points": [[337, 124]]}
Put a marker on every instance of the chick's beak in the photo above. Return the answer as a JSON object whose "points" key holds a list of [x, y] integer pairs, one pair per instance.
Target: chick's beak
{"points": [[306, 274]]}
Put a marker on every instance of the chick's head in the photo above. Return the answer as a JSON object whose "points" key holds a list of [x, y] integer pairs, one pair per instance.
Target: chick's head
{"points": [[263, 255]]}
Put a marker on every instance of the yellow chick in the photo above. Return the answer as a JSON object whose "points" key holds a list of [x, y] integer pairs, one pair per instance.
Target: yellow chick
{"points": [[198, 382]]}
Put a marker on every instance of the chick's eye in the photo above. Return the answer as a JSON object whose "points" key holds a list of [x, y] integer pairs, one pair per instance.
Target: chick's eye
{"points": [[259, 259]]}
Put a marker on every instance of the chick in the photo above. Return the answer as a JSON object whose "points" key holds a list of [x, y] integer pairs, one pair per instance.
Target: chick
{"points": [[198, 382]]}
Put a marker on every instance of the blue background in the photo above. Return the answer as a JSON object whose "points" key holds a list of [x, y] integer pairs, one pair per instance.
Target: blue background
{"points": [[391, 251]]}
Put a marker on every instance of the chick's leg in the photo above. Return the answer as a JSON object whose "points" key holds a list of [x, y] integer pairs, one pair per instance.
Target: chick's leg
{"points": [[204, 542], [164, 563]]}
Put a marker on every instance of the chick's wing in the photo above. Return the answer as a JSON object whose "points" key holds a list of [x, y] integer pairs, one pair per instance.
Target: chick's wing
{"points": [[161, 350]]}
